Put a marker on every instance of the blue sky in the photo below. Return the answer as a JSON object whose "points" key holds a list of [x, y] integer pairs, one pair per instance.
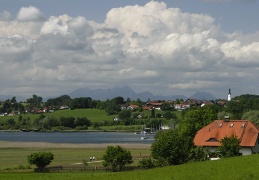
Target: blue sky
{"points": [[232, 15], [166, 47]]}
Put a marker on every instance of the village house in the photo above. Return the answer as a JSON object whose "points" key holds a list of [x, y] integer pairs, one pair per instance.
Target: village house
{"points": [[247, 133], [132, 107]]}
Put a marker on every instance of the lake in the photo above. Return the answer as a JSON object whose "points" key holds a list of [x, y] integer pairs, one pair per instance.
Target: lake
{"points": [[76, 137]]}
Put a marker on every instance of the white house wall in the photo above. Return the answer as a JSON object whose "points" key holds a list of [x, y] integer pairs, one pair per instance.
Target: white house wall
{"points": [[244, 150]]}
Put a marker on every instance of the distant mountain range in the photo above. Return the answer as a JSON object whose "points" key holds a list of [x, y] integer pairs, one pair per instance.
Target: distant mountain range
{"points": [[125, 92]]}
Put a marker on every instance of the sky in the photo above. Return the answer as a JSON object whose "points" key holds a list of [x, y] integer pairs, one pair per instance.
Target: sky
{"points": [[170, 47]]}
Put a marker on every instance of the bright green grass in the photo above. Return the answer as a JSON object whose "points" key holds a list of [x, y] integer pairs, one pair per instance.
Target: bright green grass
{"points": [[11, 158], [238, 168]]}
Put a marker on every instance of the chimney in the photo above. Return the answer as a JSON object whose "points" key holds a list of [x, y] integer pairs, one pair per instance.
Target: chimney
{"points": [[226, 118]]}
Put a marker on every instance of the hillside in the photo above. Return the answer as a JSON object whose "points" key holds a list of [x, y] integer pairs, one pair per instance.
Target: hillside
{"points": [[238, 168]]}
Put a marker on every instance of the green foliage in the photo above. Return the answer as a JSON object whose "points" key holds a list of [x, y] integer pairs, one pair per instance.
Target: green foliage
{"points": [[83, 102], [112, 108], [63, 100], [124, 114], [169, 148], [198, 154], [230, 147], [195, 119], [40, 159], [116, 158], [35, 101], [167, 107], [222, 114], [82, 122], [67, 122], [147, 163], [252, 116]]}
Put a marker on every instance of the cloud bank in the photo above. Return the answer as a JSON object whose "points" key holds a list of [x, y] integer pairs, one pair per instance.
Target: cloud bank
{"points": [[151, 47]]}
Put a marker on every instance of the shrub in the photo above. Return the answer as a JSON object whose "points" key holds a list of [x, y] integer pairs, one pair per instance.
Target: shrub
{"points": [[40, 159], [146, 163]]}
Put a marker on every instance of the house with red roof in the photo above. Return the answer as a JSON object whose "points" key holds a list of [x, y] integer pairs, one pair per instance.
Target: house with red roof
{"points": [[247, 133]]}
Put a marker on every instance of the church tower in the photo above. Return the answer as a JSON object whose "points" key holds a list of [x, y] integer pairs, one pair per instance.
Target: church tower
{"points": [[229, 95]]}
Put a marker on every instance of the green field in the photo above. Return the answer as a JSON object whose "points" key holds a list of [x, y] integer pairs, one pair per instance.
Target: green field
{"points": [[12, 158], [94, 115], [237, 168]]}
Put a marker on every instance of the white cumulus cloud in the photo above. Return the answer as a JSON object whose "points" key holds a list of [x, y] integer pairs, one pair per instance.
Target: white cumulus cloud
{"points": [[29, 14]]}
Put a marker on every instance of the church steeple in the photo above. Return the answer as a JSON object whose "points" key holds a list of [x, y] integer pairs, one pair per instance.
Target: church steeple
{"points": [[229, 94]]}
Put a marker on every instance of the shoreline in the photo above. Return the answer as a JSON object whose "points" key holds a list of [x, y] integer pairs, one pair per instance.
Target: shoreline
{"points": [[9, 144]]}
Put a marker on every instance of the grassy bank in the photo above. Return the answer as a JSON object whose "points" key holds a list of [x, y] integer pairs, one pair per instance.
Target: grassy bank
{"points": [[13, 159], [238, 168]]}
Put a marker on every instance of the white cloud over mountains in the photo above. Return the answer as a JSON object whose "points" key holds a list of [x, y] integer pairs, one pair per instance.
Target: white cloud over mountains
{"points": [[150, 47]]}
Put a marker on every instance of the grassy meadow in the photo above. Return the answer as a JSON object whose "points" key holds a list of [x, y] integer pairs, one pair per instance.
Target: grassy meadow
{"points": [[13, 158], [237, 168]]}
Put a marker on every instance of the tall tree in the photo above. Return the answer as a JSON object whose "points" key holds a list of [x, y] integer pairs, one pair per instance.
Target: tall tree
{"points": [[116, 158], [195, 119], [35, 101], [169, 148]]}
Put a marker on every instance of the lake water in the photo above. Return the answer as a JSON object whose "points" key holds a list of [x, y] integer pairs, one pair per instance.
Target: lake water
{"points": [[76, 137]]}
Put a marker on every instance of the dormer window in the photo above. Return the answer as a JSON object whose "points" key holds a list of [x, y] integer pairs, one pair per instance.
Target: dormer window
{"points": [[232, 125], [220, 125], [243, 125]]}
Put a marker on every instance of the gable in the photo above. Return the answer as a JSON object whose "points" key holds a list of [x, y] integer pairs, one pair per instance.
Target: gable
{"points": [[212, 140]]}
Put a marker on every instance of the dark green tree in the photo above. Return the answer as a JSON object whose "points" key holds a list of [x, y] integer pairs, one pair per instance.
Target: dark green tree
{"points": [[63, 100], [167, 107], [82, 122], [116, 158], [147, 163], [252, 115], [124, 114], [198, 154], [169, 148], [230, 147], [195, 119], [40, 159], [35, 101]]}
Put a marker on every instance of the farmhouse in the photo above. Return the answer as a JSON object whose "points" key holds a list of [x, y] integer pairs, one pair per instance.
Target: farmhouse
{"points": [[247, 133]]}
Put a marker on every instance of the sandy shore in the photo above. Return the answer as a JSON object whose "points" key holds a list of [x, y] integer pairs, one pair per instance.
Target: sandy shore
{"points": [[7, 144]]}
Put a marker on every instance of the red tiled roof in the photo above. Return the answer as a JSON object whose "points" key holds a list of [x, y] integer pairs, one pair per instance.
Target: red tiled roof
{"points": [[134, 106], [210, 135], [147, 107], [156, 104]]}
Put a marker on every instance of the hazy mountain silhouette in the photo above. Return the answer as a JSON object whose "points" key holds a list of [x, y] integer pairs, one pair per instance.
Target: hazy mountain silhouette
{"points": [[202, 96], [125, 92]]}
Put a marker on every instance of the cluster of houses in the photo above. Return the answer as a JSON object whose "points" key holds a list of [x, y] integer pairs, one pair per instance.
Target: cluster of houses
{"points": [[35, 110], [181, 106]]}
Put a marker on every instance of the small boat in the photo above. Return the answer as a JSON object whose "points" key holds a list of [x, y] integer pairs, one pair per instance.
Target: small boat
{"points": [[143, 138]]}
